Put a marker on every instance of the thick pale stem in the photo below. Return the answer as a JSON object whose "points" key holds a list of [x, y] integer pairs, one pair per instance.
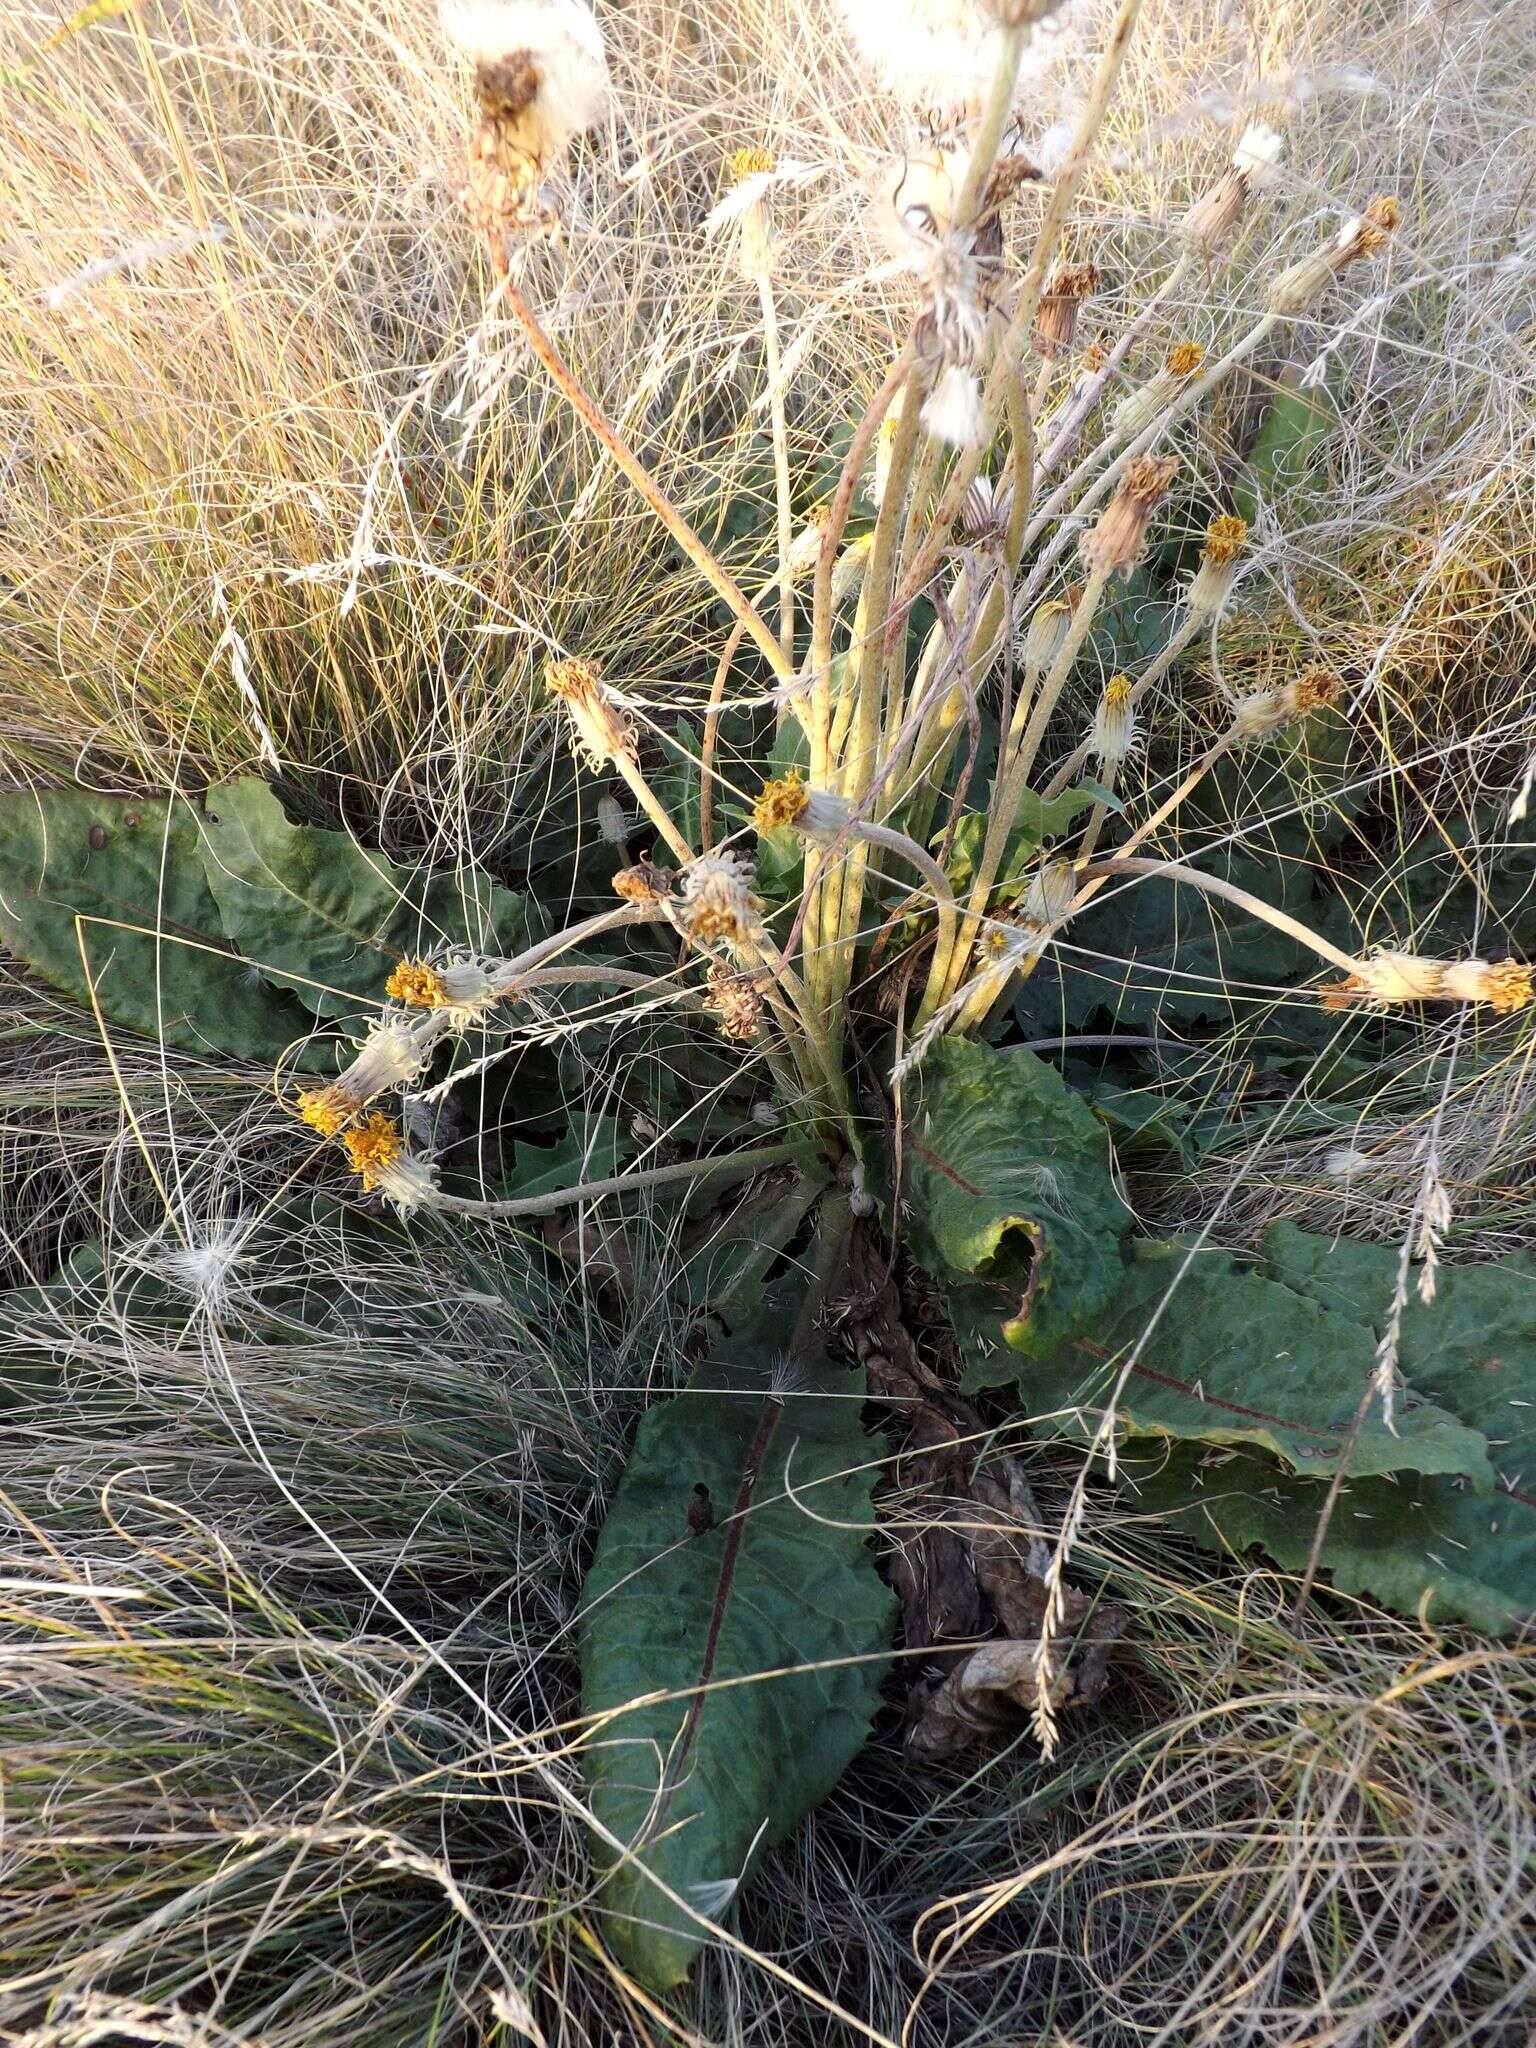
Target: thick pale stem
{"points": [[1213, 885], [735, 1167]]}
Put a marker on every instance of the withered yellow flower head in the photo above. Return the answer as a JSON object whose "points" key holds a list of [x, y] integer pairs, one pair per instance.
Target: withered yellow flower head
{"points": [[415, 983], [780, 802], [1224, 539], [1381, 218], [734, 1003], [643, 883], [1185, 358], [1314, 690], [1118, 689], [325, 1109], [372, 1147], [1056, 321], [600, 731], [1389, 980], [1117, 540], [749, 162]]}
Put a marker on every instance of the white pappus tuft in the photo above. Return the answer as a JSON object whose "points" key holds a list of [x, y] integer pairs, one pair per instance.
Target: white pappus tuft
{"points": [[952, 410], [560, 36]]}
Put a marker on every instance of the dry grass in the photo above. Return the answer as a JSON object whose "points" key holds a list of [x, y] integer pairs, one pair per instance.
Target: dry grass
{"points": [[289, 1718]]}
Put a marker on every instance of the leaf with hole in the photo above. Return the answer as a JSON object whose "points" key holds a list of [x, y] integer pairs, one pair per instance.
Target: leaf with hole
{"points": [[1007, 1174], [734, 1633]]}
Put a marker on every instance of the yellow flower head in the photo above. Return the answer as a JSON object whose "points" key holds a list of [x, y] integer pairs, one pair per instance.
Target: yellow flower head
{"points": [[325, 1110], [750, 162], [1185, 359], [415, 983], [373, 1147], [1224, 539], [1117, 691], [780, 802]]}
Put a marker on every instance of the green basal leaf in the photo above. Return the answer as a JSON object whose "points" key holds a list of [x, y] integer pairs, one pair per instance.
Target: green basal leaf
{"points": [[729, 1672], [595, 1148], [153, 940], [324, 917], [1227, 1356], [1290, 439], [1007, 1173]]}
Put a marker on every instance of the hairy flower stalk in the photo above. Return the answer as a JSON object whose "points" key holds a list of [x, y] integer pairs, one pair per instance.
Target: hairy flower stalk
{"points": [[391, 1056]]}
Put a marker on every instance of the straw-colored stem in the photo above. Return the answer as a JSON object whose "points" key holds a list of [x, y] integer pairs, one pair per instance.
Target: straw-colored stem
{"points": [[652, 806], [1009, 789], [780, 428], [713, 571], [1016, 343]]}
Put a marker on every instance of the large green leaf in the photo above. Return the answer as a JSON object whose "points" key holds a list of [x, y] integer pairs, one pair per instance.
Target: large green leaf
{"points": [[729, 1673], [159, 960], [322, 916], [1008, 1175], [1285, 453], [1228, 1356]]}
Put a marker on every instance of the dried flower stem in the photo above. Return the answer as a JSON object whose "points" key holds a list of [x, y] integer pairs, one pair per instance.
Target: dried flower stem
{"points": [[714, 572], [1015, 346], [780, 427]]}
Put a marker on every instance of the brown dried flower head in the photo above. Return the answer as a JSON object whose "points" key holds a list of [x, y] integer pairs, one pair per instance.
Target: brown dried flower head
{"points": [[1116, 542], [735, 1004], [1060, 304], [643, 883]]}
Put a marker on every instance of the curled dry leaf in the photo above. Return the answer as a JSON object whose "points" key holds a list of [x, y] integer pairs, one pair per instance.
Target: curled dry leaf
{"points": [[992, 1694]]}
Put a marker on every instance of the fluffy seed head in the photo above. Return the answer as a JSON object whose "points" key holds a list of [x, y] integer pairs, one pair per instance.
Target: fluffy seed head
{"points": [[952, 411]]}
